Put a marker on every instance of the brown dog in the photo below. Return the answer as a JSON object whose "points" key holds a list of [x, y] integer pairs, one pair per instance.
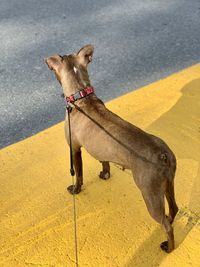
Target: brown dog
{"points": [[108, 138]]}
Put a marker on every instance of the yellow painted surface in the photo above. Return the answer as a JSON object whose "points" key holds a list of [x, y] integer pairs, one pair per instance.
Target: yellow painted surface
{"points": [[113, 225]]}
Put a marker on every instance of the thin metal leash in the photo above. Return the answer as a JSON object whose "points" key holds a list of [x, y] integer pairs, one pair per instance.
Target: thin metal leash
{"points": [[72, 172]]}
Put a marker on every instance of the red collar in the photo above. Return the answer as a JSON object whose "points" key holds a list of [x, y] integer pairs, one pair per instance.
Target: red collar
{"points": [[80, 94]]}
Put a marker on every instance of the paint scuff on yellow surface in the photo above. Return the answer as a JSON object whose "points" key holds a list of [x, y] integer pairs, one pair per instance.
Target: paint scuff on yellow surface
{"points": [[113, 226]]}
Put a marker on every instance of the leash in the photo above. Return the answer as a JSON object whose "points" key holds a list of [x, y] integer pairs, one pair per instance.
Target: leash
{"points": [[72, 172], [69, 105]]}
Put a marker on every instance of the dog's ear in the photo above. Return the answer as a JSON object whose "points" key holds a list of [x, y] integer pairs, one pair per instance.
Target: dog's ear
{"points": [[54, 62], [85, 55]]}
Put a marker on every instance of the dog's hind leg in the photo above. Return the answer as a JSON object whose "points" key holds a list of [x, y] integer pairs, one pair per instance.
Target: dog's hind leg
{"points": [[168, 245], [173, 208], [156, 207], [105, 173], [75, 189]]}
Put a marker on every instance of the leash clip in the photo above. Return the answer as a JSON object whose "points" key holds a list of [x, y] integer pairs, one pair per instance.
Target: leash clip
{"points": [[68, 107]]}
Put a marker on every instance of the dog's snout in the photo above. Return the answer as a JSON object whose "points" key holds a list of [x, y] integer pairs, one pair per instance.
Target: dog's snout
{"points": [[47, 61]]}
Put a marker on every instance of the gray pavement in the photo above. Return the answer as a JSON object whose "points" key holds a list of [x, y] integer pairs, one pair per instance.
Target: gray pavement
{"points": [[136, 42]]}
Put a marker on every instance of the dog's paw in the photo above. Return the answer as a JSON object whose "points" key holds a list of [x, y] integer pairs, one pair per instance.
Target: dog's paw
{"points": [[72, 189], [165, 247], [104, 175]]}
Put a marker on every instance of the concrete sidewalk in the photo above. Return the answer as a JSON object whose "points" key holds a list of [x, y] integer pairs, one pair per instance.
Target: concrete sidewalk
{"points": [[114, 227]]}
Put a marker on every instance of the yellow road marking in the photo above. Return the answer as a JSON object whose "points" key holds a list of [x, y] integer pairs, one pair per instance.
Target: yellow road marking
{"points": [[114, 227]]}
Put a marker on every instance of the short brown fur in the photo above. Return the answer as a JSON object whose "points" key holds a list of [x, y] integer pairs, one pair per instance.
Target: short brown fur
{"points": [[109, 138]]}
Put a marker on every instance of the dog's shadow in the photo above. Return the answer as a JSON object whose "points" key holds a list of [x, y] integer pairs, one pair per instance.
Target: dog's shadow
{"points": [[149, 254], [180, 128]]}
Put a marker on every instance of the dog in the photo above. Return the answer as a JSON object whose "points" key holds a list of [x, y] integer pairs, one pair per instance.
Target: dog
{"points": [[109, 138]]}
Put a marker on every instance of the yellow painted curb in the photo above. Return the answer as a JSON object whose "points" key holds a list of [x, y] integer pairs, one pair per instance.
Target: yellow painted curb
{"points": [[114, 227]]}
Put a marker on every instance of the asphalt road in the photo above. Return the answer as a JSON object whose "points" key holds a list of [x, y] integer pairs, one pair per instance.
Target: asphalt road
{"points": [[136, 42]]}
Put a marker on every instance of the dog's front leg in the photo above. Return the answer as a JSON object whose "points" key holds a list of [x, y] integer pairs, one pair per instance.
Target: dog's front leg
{"points": [[79, 173], [105, 173]]}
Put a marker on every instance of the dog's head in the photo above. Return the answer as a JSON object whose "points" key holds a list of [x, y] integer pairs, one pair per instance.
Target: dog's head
{"points": [[71, 70]]}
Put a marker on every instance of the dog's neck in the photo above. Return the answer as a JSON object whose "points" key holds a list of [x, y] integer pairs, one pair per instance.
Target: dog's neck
{"points": [[75, 80]]}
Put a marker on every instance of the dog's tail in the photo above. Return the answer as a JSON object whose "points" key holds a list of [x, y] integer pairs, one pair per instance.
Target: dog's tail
{"points": [[169, 160]]}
